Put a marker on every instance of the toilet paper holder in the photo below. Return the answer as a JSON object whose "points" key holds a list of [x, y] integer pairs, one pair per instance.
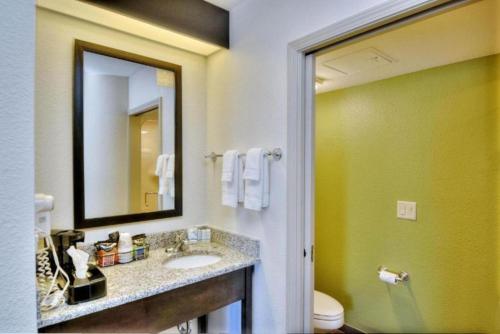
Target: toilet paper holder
{"points": [[401, 276]]}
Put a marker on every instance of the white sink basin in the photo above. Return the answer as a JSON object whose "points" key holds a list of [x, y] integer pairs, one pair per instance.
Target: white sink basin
{"points": [[191, 261]]}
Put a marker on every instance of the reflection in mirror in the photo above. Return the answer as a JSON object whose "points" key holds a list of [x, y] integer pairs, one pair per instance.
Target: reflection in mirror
{"points": [[129, 137]]}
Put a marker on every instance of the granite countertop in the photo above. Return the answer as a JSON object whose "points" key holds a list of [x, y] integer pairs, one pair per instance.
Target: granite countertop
{"points": [[144, 278]]}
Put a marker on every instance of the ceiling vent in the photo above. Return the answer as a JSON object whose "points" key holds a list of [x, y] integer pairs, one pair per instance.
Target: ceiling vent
{"points": [[358, 61]]}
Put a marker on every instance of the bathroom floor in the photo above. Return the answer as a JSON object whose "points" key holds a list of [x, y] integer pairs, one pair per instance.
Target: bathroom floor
{"points": [[346, 330]]}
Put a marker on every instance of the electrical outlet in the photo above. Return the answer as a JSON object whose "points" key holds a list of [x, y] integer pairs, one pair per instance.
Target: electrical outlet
{"points": [[407, 210]]}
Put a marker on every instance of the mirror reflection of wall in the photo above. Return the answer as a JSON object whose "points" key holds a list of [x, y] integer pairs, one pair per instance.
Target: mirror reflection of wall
{"points": [[129, 122]]}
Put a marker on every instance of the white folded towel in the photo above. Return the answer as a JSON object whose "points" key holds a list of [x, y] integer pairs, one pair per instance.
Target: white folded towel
{"points": [[159, 165], [161, 172], [229, 161], [170, 175], [256, 178], [231, 174], [253, 164], [241, 182]]}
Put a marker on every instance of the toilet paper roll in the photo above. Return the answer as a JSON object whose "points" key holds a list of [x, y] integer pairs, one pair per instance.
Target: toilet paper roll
{"points": [[388, 277]]}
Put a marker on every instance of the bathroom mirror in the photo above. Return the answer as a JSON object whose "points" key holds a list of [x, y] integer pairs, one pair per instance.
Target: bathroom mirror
{"points": [[127, 132]]}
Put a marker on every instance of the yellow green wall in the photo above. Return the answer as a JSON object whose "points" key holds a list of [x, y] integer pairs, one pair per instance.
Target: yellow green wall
{"points": [[429, 137]]}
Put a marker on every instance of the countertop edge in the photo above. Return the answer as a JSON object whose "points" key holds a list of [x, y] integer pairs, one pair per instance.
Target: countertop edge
{"points": [[44, 323]]}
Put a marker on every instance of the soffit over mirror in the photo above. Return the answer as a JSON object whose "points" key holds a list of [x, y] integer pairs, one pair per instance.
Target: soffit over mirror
{"points": [[196, 18], [131, 26]]}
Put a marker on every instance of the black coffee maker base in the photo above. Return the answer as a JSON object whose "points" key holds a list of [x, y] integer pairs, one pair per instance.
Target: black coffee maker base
{"points": [[87, 289]]}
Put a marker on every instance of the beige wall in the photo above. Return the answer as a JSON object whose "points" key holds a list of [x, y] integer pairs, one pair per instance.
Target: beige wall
{"points": [[54, 74]]}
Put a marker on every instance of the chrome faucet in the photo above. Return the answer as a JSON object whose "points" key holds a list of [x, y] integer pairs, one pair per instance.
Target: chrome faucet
{"points": [[180, 245]]}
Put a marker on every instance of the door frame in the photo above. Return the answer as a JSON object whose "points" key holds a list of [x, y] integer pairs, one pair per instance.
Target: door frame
{"points": [[139, 110], [300, 137]]}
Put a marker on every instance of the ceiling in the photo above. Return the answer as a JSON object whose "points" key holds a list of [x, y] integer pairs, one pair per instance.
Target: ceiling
{"points": [[225, 4], [468, 32], [104, 65]]}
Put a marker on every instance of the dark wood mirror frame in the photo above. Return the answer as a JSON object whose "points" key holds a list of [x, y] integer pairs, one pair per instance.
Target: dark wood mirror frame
{"points": [[78, 132]]}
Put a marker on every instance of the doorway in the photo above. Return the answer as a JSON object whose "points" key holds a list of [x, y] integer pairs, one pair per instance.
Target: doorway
{"points": [[144, 148], [302, 232]]}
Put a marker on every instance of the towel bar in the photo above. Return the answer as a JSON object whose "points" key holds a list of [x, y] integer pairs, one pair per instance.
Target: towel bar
{"points": [[276, 154]]}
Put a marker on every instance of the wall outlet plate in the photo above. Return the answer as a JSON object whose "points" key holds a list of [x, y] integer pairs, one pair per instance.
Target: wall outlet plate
{"points": [[407, 210]]}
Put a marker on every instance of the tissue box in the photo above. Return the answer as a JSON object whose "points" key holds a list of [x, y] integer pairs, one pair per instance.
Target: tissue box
{"points": [[87, 289]]}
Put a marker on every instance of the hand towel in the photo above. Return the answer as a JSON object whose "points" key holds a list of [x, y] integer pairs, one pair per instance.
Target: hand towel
{"points": [[170, 175], [230, 178], [253, 164], [229, 161], [241, 182], [161, 172], [159, 165], [256, 178]]}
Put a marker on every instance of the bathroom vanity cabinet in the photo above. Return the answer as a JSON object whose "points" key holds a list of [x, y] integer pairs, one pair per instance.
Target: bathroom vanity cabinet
{"points": [[162, 311]]}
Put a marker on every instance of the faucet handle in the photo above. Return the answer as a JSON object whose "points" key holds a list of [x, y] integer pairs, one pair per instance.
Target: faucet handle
{"points": [[179, 243], [179, 237]]}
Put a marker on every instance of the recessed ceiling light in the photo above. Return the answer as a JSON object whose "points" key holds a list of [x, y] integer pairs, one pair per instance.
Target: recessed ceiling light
{"points": [[318, 82]]}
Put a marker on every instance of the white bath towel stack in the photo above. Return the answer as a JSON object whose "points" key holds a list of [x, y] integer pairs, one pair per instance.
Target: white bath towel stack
{"points": [[232, 183], [256, 178], [165, 166]]}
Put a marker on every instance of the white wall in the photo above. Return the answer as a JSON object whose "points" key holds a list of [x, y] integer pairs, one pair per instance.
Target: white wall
{"points": [[54, 75], [144, 87], [247, 107], [105, 145], [17, 263]]}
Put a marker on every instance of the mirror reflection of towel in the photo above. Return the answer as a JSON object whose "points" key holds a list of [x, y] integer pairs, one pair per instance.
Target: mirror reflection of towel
{"points": [[170, 175], [161, 172]]}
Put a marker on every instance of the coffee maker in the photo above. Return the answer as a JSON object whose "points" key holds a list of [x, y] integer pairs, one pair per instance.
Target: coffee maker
{"points": [[79, 290], [64, 239]]}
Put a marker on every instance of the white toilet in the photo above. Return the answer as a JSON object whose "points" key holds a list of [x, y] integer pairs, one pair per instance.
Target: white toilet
{"points": [[328, 313]]}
